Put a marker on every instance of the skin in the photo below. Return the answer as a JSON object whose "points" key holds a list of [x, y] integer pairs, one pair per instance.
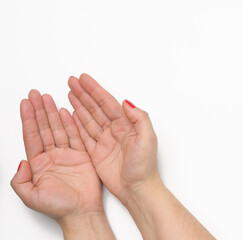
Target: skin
{"points": [[123, 148], [59, 178], [118, 143]]}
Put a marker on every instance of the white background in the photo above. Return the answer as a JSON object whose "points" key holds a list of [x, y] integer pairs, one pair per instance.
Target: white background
{"points": [[179, 60]]}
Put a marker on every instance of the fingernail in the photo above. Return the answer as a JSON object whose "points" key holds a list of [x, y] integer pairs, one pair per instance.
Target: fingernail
{"points": [[19, 166], [130, 104]]}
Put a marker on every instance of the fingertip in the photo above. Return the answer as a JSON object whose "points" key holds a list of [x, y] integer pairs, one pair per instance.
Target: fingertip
{"points": [[128, 103], [22, 162], [19, 166], [26, 109], [34, 93], [63, 111], [23, 103], [83, 75], [85, 79], [46, 96], [128, 108], [36, 99], [22, 172], [49, 104], [66, 117], [71, 80], [74, 100]]}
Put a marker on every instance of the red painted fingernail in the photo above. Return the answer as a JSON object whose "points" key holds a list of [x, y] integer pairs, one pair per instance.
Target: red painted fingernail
{"points": [[130, 104], [19, 166]]}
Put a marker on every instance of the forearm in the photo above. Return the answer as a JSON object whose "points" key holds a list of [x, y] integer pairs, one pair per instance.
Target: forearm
{"points": [[159, 215], [90, 226]]}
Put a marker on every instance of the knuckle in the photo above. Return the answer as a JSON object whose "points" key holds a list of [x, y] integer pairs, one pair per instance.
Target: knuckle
{"points": [[93, 109], [12, 183], [104, 101], [144, 114]]}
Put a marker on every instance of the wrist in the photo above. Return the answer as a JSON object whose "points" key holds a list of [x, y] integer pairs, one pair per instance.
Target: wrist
{"points": [[155, 210], [144, 190], [142, 205], [89, 225]]}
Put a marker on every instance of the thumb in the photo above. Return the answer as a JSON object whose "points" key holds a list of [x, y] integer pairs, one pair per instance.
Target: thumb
{"points": [[21, 183], [139, 118]]}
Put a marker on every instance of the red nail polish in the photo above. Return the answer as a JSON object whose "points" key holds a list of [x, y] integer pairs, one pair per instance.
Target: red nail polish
{"points": [[130, 104], [19, 166]]}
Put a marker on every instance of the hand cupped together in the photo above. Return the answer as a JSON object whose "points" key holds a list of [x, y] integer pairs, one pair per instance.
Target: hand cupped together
{"points": [[103, 140], [68, 155]]}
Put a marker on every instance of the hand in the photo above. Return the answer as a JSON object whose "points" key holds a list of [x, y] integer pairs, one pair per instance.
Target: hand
{"points": [[120, 139], [123, 147], [59, 178]]}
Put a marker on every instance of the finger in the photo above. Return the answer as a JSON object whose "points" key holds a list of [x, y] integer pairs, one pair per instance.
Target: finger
{"points": [[58, 131], [104, 99], [22, 185], [42, 120], [71, 130], [88, 141], [87, 120], [139, 118], [88, 102], [31, 134]]}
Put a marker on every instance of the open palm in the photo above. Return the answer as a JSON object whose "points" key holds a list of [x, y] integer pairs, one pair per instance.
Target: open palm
{"points": [[119, 139], [59, 178]]}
